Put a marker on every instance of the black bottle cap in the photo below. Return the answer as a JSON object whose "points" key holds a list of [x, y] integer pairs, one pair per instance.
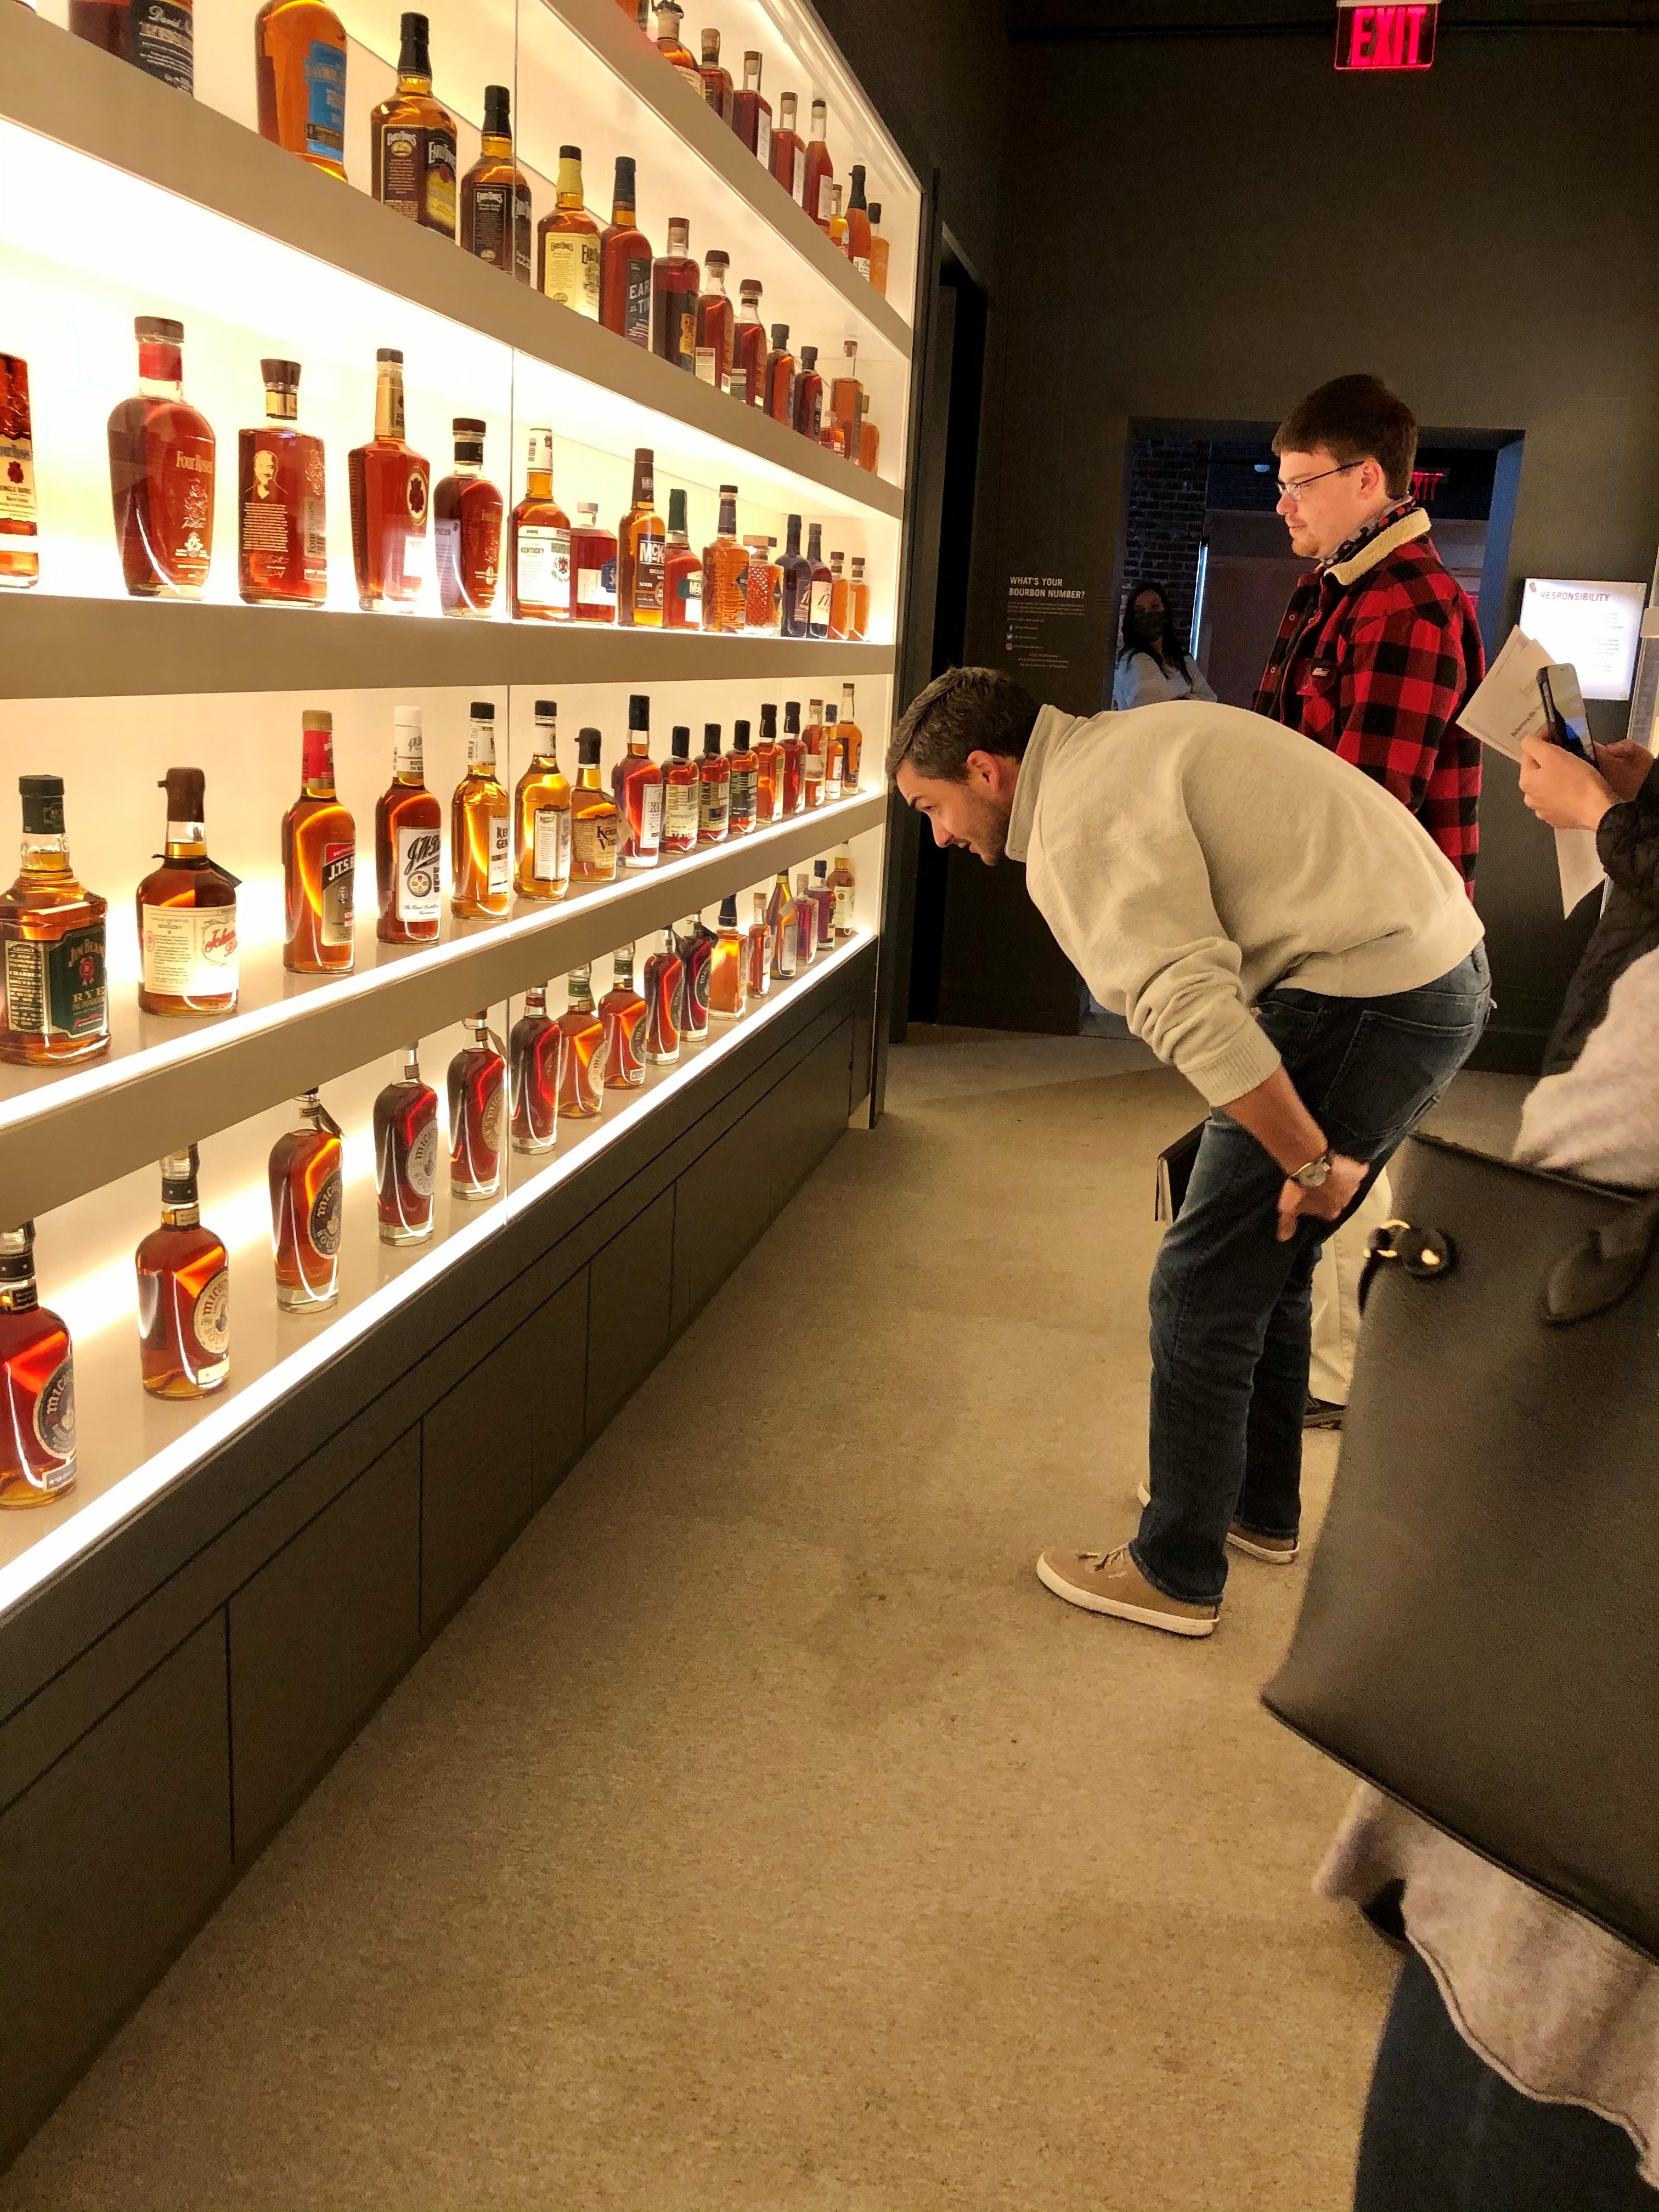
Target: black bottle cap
{"points": [[769, 721], [587, 747], [680, 742], [570, 153], [740, 737], [482, 710], [186, 791], [414, 57], [42, 804], [280, 375], [874, 210], [728, 491], [729, 911], [809, 358], [857, 198], [389, 353], [468, 426], [549, 707], [715, 260], [711, 737], [158, 330], [498, 112], [792, 718], [625, 177], [639, 710], [779, 338]]}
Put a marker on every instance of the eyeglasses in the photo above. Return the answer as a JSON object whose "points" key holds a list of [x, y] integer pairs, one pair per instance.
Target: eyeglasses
{"points": [[1294, 492]]}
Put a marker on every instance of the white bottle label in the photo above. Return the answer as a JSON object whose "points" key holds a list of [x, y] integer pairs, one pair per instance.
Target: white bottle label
{"points": [[596, 587], [190, 952], [843, 906], [420, 866], [448, 537], [826, 185], [337, 920], [500, 855], [818, 611], [862, 265], [798, 183], [651, 816], [764, 140], [681, 815], [552, 843], [544, 567], [17, 480]]}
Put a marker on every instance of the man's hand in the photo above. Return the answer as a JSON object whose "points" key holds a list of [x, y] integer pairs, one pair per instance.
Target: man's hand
{"points": [[1331, 1198], [1561, 789], [1624, 768]]}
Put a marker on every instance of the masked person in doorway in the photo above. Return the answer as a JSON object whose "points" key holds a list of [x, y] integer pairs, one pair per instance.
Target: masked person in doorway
{"points": [[1152, 668], [1268, 919], [1377, 652]]}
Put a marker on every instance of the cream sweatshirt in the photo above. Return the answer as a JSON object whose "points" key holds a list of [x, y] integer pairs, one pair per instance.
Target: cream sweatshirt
{"points": [[1189, 857]]}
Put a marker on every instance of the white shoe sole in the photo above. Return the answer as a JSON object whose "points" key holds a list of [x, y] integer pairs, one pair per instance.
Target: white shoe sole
{"points": [[1171, 1623], [1240, 1543]]}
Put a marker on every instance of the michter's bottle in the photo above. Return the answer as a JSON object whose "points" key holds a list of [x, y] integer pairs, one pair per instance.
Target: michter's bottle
{"points": [[477, 1113], [306, 1201], [665, 980], [54, 997], [183, 1293], [622, 1010], [187, 913], [408, 843], [319, 860], [36, 1374], [534, 1050], [406, 1154], [282, 522], [412, 139]]}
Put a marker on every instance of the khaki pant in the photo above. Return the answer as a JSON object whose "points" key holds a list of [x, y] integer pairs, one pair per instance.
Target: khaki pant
{"points": [[1336, 1296]]}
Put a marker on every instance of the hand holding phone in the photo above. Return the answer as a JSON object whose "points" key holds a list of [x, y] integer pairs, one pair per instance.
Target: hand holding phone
{"points": [[1564, 719]]}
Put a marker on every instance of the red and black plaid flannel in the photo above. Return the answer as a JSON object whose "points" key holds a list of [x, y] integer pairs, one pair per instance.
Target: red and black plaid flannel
{"points": [[1374, 660]]}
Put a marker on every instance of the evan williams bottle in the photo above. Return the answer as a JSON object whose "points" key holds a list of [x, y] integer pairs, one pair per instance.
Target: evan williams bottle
{"points": [[183, 1293], [160, 473], [412, 140], [481, 827], [535, 1048], [466, 518], [406, 1154], [37, 1377], [637, 787], [477, 1113], [408, 843], [390, 492], [282, 534], [187, 913], [306, 1204], [319, 862], [621, 1009], [54, 995]]}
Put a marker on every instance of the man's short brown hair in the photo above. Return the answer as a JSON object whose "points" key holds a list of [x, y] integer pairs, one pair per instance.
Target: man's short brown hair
{"points": [[1357, 418], [966, 710]]}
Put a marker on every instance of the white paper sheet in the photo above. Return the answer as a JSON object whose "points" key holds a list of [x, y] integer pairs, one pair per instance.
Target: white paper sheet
{"points": [[1505, 709]]}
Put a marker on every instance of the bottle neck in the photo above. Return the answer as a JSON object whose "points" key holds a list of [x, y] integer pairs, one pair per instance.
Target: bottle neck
{"points": [[45, 855], [728, 519], [320, 785], [389, 402], [411, 1066], [186, 841], [535, 1001], [547, 745], [414, 72], [713, 280], [481, 749], [161, 387], [587, 776], [184, 1215], [639, 745], [749, 309], [465, 465], [645, 487], [569, 192], [538, 484], [18, 1294], [581, 994], [281, 406], [496, 146]]}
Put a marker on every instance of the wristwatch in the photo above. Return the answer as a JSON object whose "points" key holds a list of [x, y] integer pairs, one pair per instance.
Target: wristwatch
{"points": [[1316, 1173]]}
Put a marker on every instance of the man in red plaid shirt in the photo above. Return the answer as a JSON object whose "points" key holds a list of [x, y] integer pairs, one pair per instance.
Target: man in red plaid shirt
{"points": [[1377, 652]]}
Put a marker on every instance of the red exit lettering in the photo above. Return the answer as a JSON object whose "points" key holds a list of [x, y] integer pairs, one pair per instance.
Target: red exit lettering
{"points": [[1371, 34]]}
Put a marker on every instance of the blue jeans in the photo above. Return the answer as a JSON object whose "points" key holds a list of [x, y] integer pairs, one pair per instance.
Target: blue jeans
{"points": [[1231, 1306]]}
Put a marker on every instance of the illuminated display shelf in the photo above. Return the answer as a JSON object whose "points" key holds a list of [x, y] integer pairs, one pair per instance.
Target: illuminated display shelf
{"points": [[133, 1447], [165, 1083]]}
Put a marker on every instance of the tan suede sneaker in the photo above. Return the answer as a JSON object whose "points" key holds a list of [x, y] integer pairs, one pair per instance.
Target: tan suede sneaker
{"points": [[1110, 1582], [1277, 1551]]}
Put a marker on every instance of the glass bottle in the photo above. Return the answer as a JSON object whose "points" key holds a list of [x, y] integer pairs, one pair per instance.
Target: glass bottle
{"points": [[843, 885], [622, 1010], [534, 1051], [795, 617], [860, 624], [54, 993], [187, 913], [406, 1154], [716, 325], [636, 787], [811, 765], [823, 902], [714, 789], [319, 859], [390, 492], [582, 1062], [869, 447], [780, 376], [761, 603], [568, 243], [466, 518], [852, 742], [832, 757], [696, 945], [806, 922], [744, 768], [788, 162], [308, 1193], [673, 48], [717, 87], [300, 74], [751, 111], [642, 542], [496, 210], [682, 571], [879, 249], [837, 233], [594, 825], [757, 951], [722, 591], [480, 827], [412, 140], [183, 1293], [20, 542], [809, 395], [539, 542], [663, 984], [593, 567], [625, 264], [674, 297], [748, 346], [781, 924], [282, 514], [840, 598], [769, 768], [859, 234], [820, 172], [846, 393], [408, 842], [160, 473], [541, 808], [477, 1113], [728, 986], [817, 607], [682, 787], [157, 37], [37, 1375], [794, 756]]}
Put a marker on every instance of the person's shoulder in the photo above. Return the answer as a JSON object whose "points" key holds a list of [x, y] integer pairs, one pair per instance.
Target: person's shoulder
{"points": [[1413, 580]]}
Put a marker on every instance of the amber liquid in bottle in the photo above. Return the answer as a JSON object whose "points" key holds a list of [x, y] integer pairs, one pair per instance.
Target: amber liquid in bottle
{"points": [[682, 571], [539, 543], [406, 1154], [820, 172], [54, 993], [859, 234], [534, 1049], [788, 162], [592, 567], [796, 617], [481, 828], [852, 742], [761, 606], [748, 346], [637, 787], [817, 607], [860, 626], [319, 859], [812, 760], [477, 1114], [728, 981], [674, 298], [832, 757], [20, 549], [716, 81], [160, 473], [625, 264], [582, 1072], [300, 77], [466, 516], [824, 900], [806, 923], [595, 828], [674, 49], [809, 394], [681, 789], [642, 546], [743, 764], [412, 140], [780, 377], [282, 514], [568, 243], [846, 399], [794, 751], [783, 923], [37, 1377], [541, 809], [663, 984], [840, 598], [843, 889], [769, 769], [408, 843], [184, 1293], [187, 914], [751, 111], [713, 790], [716, 324], [724, 572], [696, 946], [495, 210], [306, 1201], [623, 1011], [390, 492], [880, 248], [758, 951]]}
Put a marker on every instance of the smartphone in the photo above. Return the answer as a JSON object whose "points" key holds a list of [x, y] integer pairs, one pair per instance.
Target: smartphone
{"points": [[1564, 710]]}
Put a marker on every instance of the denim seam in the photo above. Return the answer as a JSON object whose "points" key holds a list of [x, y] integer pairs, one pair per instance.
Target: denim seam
{"points": [[1180, 1597]]}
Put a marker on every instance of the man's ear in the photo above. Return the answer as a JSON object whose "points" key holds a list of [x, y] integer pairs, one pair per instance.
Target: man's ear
{"points": [[992, 772]]}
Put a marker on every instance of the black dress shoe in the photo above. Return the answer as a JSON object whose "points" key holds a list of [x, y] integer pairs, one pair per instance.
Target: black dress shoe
{"points": [[1320, 1414]]}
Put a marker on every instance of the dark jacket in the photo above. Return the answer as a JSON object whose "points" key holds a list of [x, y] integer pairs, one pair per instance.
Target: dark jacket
{"points": [[1628, 842]]}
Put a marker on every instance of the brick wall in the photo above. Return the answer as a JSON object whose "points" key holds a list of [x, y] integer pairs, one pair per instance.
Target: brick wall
{"points": [[1166, 520]]}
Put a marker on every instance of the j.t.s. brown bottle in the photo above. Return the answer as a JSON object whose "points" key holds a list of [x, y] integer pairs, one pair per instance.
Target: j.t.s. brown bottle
{"points": [[161, 473], [37, 1383], [406, 1154], [308, 1193], [408, 842], [319, 862], [283, 513], [412, 140], [183, 1293], [187, 913], [477, 1113], [54, 993], [534, 1048]]}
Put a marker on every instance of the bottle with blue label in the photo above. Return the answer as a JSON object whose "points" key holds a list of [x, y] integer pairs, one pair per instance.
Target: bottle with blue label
{"points": [[299, 63]]}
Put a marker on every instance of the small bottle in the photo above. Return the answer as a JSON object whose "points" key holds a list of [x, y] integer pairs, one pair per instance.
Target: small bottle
{"points": [[495, 210], [832, 757], [758, 951], [568, 243], [390, 492], [760, 605], [809, 394], [19, 542], [582, 1063], [187, 913], [282, 522], [744, 769], [861, 627], [682, 787], [751, 111], [37, 1375], [869, 449], [728, 986], [682, 571], [879, 249], [780, 377], [725, 565], [594, 827], [481, 827], [406, 1154], [716, 82], [748, 346], [818, 604], [593, 564], [534, 1051], [541, 809], [641, 545], [795, 619], [539, 543], [54, 992], [824, 901], [794, 759], [769, 769], [466, 512], [806, 922], [846, 399], [841, 597], [696, 945], [820, 172], [183, 1293], [837, 222], [625, 264], [636, 785], [716, 325], [714, 789], [859, 234], [674, 297], [408, 842], [477, 1113], [673, 48], [300, 71], [788, 162], [813, 764], [319, 860], [843, 886], [663, 984], [412, 140], [307, 1195], [852, 742], [623, 1011], [782, 923], [161, 473]]}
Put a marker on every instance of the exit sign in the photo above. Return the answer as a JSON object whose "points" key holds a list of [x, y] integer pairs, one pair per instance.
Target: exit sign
{"points": [[1374, 36]]}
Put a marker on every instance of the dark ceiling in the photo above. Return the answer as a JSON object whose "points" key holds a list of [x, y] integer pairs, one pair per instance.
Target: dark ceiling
{"points": [[1113, 19]]}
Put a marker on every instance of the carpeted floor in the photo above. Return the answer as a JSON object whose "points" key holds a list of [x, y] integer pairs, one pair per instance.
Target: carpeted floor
{"points": [[762, 1835]]}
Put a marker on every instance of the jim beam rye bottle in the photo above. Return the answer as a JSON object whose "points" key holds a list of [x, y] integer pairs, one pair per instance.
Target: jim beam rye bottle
{"points": [[187, 913], [283, 513], [477, 1113], [408, 843], [183, 1293], [534, 1047], [541, 809], [54, 995], [308, 1193], [37, 1372], [20, 547], [581, 1071], [412, 140], [406, 1154], [320, 862], [481, 828], [160, 473], [390, 496], [623, 1011]]}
